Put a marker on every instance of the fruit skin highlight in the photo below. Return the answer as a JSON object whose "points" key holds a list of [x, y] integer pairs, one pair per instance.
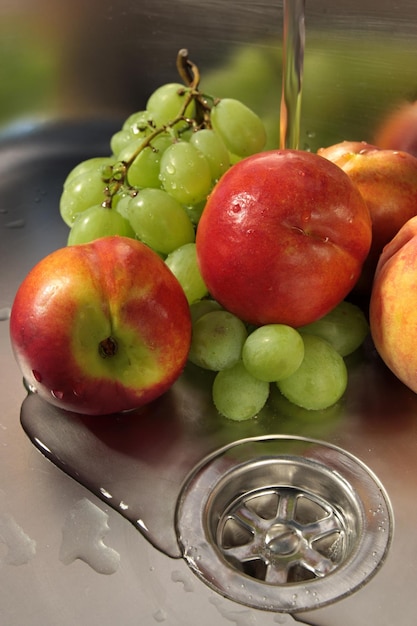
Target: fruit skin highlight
{"points": [[393, 305], [283, 237], [102, 327]]}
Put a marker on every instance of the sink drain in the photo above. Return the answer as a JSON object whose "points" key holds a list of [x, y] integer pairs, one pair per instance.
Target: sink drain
{"points": [[284, 524]]}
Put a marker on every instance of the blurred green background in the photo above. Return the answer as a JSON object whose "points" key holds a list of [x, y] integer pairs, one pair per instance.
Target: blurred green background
{"points": [[67, 60]]}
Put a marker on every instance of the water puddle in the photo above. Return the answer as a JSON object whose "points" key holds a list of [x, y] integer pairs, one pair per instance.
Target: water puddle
{"points": [[84, 530]]}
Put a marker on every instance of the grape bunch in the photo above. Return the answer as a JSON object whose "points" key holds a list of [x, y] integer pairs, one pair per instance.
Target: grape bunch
{"points": [[153, 185], [306, 364], [162, 165]]}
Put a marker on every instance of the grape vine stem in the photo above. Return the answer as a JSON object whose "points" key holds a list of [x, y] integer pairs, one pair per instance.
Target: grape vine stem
{"points": [[190, 75]]}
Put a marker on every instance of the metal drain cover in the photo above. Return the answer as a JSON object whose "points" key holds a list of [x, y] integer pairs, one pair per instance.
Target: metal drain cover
{"points": [[283, 523]]}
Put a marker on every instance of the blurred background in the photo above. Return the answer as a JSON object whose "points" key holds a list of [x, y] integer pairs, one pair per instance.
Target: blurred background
{"points": [[74, 59]]}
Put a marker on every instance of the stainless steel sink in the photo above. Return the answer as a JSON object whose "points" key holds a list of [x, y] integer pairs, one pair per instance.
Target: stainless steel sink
{"points": [[174, 515]]}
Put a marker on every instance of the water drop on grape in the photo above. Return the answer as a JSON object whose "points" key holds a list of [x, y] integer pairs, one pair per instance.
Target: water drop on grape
{"points": [[57, 394]]}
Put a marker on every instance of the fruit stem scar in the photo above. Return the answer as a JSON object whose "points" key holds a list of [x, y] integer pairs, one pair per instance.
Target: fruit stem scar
{"points": [[107, 347]]}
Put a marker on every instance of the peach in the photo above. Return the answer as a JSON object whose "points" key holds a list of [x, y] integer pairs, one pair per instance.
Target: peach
{"points": [[387, 180], [393, 305]]}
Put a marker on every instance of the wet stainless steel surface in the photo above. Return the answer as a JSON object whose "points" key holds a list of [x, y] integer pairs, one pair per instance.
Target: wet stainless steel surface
{"points": [[54, 71]]}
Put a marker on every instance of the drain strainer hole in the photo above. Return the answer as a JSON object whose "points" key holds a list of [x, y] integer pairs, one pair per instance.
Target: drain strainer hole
{"points": [[271, 519], [282, 530]]}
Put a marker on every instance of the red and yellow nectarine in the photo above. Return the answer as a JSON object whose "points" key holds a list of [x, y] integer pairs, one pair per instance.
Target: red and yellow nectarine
{"points": [[101, 327]]}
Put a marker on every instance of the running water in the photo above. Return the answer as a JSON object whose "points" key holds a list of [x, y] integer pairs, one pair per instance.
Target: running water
{"points": [[292, 72]]}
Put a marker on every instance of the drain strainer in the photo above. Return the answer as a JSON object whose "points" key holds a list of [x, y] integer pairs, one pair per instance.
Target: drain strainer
{"points": [[284, 524]]}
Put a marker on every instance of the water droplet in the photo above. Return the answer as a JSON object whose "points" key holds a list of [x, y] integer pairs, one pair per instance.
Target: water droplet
{"points": [[240, 617], [82, 538], [21, 548], [20, 223], [29, 386], [5, 313], [160, 616], [179, 577], [37, 376], [57, 394], [281, 618], [170, 169]]}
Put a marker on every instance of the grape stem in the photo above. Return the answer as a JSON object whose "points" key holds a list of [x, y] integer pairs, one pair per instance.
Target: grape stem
{"points": [[188, 70], [190, 75]]}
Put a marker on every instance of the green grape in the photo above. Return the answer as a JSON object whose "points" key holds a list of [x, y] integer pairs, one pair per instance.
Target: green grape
{"points": [[120, 140], [128, 152], [144, 170], [89, 165], [321, 379], [217, 340], [214, 149], [201, 307], [120, 202], [96, 222], [81, 192], [324, 419], [185, 173], [185, 134], [166, 103], [234, 158], [159, 220], [237, 394], [345, 327], [183, 264], [139, 123], [273, 352], [194, 211], [240, 128]]}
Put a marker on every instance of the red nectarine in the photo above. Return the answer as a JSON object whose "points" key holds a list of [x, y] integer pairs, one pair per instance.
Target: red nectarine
{"points": [[283, 237]]}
